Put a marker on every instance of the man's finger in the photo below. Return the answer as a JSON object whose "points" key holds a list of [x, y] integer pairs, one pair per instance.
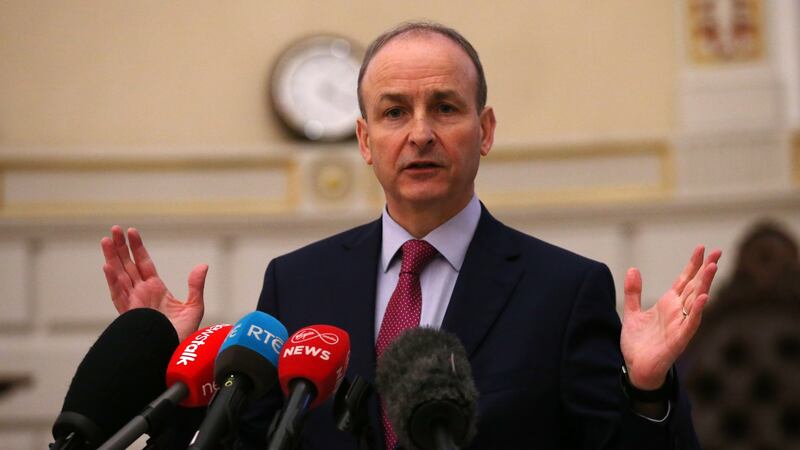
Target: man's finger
{"points": [[714, 256], [123, 253], [692, 322], [146, 266], [197, 281], [706, 276], [690, 270], [117, 289], [113, 266], [110, 253], [633, 291]]}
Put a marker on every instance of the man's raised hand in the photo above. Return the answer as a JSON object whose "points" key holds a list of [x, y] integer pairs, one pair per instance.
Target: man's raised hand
{"points": [[652, 340], [134, 282]]}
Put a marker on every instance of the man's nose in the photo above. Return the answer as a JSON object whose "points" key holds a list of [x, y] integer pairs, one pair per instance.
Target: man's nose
{"points": [[421, 134]]}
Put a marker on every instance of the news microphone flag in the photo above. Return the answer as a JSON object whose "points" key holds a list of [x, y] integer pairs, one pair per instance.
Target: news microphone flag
{"points": [[193, 364], [245, 368], [312, 365], [252, 348], [318, 354]]}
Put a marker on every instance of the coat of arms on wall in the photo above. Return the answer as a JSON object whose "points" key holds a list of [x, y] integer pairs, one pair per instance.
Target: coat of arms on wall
{"points": [[723, 31]]}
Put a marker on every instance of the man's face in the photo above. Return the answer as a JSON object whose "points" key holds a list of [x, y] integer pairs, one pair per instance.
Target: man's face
{"points": [[423, 134]]}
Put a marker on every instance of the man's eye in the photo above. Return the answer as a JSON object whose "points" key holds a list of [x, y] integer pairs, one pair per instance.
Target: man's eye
{"points": [[446, 108], [393, 113]]}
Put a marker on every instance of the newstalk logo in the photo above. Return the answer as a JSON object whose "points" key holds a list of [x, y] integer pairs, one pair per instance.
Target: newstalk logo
{"points": [[189, 353]]}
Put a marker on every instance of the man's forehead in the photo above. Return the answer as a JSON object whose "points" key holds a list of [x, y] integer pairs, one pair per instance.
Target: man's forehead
{"points": [[420, 54], [434, 95], [423, 41]]}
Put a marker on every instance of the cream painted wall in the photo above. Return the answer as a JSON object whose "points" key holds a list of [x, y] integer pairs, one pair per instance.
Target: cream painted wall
{"points": [[184, 77]]}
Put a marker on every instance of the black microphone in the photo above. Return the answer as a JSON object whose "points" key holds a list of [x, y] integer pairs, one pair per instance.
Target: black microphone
{"points": [[120, 373], [245, 368], [190, 377], [425, 381]]}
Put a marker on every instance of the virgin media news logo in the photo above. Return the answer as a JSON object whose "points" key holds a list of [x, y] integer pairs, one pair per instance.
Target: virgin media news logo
{"points": [[307, 334]]}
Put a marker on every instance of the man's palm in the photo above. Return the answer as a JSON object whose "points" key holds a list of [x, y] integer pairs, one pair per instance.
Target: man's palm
{"points": [[134, 283], [653, 339]]}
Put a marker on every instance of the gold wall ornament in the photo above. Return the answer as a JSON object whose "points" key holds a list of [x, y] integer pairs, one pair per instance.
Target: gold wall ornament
{"points": [[725, 31], [333, 180]]}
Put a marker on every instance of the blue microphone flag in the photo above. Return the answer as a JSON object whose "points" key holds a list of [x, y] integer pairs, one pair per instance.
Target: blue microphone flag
{"points": [[260, 332]]}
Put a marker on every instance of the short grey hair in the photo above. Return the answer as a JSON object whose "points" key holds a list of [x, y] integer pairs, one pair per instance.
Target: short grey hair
{"points": [[425, 27]]}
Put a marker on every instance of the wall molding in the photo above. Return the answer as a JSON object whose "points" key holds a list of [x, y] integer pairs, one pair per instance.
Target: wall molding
{"points": [[512, 176], [652, 159], [64, 186], [796, 157]]}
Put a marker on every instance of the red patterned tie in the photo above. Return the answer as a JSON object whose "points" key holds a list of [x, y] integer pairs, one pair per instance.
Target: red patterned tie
{"points": [[404, 309]]}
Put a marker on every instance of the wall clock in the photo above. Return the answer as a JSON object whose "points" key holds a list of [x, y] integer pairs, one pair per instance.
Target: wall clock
{"points": [[313, 87]]}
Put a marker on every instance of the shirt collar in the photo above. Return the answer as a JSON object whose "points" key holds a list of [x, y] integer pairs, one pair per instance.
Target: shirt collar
{"points": [[450, 239]]}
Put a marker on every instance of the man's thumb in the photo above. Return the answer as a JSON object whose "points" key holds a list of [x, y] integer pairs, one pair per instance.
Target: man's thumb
{"points": [[197, 282], [633, 291]]}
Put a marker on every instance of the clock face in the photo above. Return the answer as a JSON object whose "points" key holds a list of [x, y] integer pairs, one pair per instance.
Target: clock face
{"points": [[313, 88]]}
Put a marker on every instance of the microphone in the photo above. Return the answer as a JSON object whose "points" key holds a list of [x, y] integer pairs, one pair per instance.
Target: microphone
{"points": [[311, 367], [123, 368], [190, 377], [245, 368], [351, 411], [425, 381]]}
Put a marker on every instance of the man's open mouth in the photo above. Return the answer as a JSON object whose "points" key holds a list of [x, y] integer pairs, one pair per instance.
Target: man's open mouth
{"points": [[422, 165]]}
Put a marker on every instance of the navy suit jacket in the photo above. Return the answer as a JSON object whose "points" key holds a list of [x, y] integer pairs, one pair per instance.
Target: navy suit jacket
{"points": [[538, 323]]}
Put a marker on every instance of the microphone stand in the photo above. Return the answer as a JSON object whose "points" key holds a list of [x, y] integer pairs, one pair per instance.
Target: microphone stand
{"points": [[69, 442], [350, 411], [442, 438], [285, 435]]}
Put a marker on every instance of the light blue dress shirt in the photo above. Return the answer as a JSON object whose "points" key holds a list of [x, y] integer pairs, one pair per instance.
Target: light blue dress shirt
{"points": [[451, 240]]}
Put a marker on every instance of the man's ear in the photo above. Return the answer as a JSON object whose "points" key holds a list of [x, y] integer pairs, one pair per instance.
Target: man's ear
{"points": [[362, 132], [488, 124]]}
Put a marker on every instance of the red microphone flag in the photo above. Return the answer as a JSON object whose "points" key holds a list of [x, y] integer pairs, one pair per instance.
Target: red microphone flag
{"points": [[319, 354], [193, 364]]}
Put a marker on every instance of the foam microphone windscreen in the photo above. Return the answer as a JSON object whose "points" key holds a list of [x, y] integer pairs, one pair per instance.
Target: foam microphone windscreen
{"points": [[319, 354], [425, 381], [122, 371], [192, 364]]}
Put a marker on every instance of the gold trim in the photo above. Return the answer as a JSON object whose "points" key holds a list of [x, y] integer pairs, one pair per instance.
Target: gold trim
{"points": [[616, 194], [140, 164], [291, 199], [286, 165], [663, 188], [796, 157], [183, 208], [580, 151], [2, 188]]}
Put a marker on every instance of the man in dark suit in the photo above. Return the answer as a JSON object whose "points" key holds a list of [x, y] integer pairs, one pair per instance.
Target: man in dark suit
{"points": [[538, 322]]}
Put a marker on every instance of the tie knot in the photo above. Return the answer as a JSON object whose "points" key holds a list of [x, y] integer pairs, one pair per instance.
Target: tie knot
{"points": [[416, 254]]}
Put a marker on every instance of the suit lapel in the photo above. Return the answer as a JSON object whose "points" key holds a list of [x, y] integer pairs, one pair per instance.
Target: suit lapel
{"points": [[358, 274], [486, 280], [357, 277]]}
